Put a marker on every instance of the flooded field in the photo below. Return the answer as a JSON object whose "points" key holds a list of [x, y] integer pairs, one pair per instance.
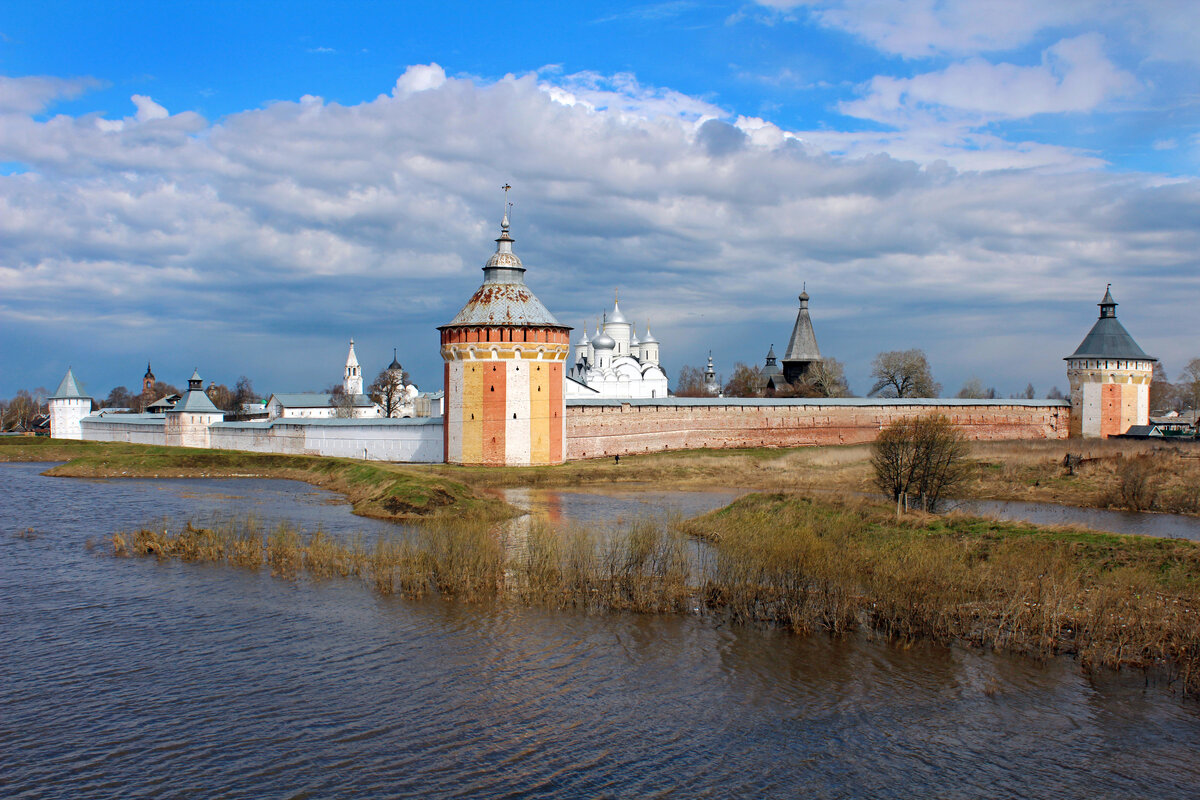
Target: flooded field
{"points": [[141, 678]]}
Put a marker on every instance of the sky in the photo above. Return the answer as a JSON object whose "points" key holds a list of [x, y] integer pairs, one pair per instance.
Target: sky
{"points": [[243, 187]]}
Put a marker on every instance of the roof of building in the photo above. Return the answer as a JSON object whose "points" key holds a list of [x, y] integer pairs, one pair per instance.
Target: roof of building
{"points": [[395, 363], [335, 422], [68, 389], [1108, 337], [315, 400], [649, 337], [504, 299], [602, 341], [195, 400], [771, 367], [165, 402], [803, 344]]}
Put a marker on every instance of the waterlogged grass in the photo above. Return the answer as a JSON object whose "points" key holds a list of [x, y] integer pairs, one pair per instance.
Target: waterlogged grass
{"points": [[1113, 601], [405, 493], [832, 566]]}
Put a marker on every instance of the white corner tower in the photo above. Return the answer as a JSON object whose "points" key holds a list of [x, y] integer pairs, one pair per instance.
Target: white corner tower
{"points": [[68, 405]]}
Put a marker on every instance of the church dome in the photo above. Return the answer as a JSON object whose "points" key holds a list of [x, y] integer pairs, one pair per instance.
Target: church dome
{"points": [[616, 315], [603, 341], [649, 337]]}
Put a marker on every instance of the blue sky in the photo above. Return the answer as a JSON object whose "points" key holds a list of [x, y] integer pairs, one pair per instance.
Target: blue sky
{"points": [[243, 187]]}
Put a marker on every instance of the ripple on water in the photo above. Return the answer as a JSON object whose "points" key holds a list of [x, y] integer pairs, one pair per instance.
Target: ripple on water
{"points": [[131, 678]]}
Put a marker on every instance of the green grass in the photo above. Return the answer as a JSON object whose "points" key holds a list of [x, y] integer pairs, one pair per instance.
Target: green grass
{"points": [[386, 491]]}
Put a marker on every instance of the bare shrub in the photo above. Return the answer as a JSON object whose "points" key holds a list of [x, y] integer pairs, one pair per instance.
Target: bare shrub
{"points": [[1137, 482], [920, 457]]}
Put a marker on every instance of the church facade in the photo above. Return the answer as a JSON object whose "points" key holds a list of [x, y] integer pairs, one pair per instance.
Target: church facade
{"points": [[616, 362]]}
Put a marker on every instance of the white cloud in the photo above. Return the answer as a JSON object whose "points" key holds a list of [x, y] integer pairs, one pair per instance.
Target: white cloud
{"points": [[305, 217], [419, 78], [1074, 76], [29, 95], [147, 109]]}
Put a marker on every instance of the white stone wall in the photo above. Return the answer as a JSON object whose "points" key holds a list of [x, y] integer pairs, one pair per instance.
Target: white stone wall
{"points": [[414, 441], [134, 428], [65, 415]]}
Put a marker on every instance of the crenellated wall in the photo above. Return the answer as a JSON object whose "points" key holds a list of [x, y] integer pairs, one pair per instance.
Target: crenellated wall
{"points": [[613, 427]]}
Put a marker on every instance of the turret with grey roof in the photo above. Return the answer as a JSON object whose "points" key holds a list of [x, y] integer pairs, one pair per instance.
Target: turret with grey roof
{"points": [[1110, 378], [68, 405], [802, 351]]}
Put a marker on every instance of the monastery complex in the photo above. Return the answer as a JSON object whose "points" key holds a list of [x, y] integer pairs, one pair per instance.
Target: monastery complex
{"points": [[510, 398]]}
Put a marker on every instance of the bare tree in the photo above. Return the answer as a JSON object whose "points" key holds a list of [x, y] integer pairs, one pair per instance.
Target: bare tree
{"points": [[22, 410], [973, 390], [1055, 394], [826, 378], [746, 382], [120, 397], [920, 457], [1189, 384], [903, 373], [691, 383], [243, 392], [387, 391], [1163, 395], [342, 403], [223, 397]]}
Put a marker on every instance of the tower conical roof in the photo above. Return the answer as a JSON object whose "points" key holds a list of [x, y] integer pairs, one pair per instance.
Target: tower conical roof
{"points": [[1108, 337], [68, 389], [803, 344], [195, 400], [504, 299], [395, 363]]}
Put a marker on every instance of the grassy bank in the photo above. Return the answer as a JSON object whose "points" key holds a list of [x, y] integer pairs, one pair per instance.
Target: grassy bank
{"points": [[1010, 470], [1113, 601], [384, 491], [787, 560]]}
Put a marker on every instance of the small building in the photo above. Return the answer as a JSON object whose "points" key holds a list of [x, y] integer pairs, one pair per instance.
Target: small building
{"points": [[163, 404], [771, 376], [1110, 378], [318, 405]]}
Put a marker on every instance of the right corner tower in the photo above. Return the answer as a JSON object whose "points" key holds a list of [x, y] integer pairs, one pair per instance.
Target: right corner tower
{"points": [[1110, 378]]}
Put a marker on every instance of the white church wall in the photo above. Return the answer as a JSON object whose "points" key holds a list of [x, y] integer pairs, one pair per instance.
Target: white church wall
{"points": [[133, 428]]}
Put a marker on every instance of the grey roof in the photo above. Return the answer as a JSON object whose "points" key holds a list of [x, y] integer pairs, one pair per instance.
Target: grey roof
{"points": [[504, 299], [335, 422], [315, 400], [68, 389], [771, 368], [166, 401], [1108, 337], [195, 401], [803, 344], [861, 402]]}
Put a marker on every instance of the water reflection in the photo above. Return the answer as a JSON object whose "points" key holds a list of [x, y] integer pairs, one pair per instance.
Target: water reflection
{"points": [[1171, 526]]}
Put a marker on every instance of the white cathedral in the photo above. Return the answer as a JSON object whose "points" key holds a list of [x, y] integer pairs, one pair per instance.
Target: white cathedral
{"points": [[615, 363]]}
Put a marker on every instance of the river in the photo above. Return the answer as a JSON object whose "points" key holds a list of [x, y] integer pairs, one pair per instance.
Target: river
{"points": [[134, 678]]}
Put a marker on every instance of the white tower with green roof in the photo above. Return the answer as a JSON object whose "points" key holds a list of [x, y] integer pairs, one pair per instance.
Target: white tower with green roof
{"points": [[68, 405]]}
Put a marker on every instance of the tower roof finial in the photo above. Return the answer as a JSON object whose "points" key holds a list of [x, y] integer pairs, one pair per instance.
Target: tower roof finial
{"points": [[507, 206]]}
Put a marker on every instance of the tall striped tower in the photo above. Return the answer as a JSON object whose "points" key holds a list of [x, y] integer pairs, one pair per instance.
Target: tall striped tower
{"points": [[504, 355]]}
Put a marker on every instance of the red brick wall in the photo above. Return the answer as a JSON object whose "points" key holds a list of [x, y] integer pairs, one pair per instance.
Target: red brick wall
{"points": [[627, 428]]}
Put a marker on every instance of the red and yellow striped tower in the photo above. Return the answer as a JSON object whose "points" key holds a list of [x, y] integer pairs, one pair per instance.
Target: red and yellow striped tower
{"points": [[504, 355]]}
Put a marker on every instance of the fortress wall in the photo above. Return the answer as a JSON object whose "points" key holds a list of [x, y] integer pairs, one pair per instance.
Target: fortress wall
{"points": [[410, 440], [135, 428], [613, 427]]}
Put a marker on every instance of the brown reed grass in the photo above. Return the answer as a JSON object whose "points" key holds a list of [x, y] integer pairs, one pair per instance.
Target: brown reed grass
{"points": [[833, 565]]}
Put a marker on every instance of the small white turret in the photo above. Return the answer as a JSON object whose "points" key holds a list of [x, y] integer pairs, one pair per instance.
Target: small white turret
{"points": [[649, 347]]}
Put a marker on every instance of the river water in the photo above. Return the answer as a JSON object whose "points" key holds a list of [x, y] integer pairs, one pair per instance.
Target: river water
{"points": [[134, 678]]}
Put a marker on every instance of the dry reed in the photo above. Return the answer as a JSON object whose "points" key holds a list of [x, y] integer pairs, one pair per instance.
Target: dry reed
{"points": [[831, 565]]}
